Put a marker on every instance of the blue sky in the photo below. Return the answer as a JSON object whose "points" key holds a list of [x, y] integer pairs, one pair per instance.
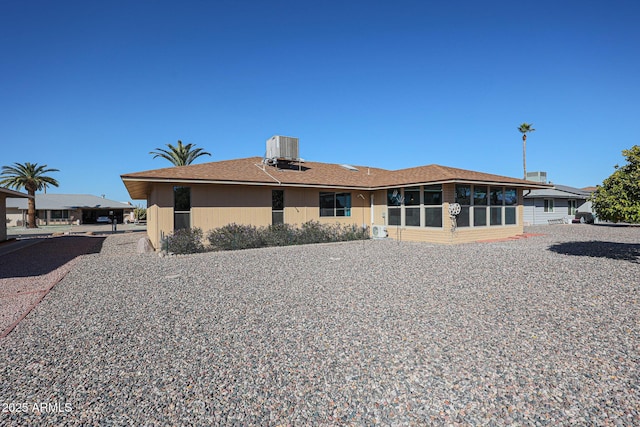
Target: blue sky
{"points": [[91, 87]]}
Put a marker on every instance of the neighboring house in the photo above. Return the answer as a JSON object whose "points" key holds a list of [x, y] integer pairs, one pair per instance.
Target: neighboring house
{"points": [[60, 209], [558, 204], [412, 203], [4, 193]]}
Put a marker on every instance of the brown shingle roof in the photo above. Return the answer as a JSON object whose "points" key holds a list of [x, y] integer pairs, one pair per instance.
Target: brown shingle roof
{"points": [[308, 174]]}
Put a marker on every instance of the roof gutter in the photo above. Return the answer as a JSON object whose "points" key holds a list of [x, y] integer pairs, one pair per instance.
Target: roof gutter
{"points": [[350, 187]]}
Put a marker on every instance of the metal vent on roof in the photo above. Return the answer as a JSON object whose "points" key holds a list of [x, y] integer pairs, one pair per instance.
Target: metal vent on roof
{"points": [[537, 177], [349, 167], [283, 148]]}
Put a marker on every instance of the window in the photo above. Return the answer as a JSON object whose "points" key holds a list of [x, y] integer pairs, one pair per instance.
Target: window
{"points": [[510, 215], [412, 206], [415, 206], [482, 205], [433, 195], [496, 200], [412, 217], [480, 201], [60, 214], [572, 207], [463, 197], [277, 207], [479, 216], [548, 205], [343, 204], [510, 196], [335, 204], [433, 205], [496, 215], [181, 207], [510, 201], [394, 203], [404, 206]]}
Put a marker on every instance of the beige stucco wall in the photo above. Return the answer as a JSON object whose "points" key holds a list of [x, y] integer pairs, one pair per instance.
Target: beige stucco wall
{"points": [[214, 206]]}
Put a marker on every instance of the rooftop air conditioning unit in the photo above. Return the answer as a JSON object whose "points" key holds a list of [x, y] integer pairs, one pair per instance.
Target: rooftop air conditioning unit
{"points": [[283, 148], [537, 177], [379, 232]]}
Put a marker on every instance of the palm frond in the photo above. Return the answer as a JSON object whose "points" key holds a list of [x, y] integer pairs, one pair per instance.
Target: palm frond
{"points": [[180, 155], [526, 128], [29, 176]]}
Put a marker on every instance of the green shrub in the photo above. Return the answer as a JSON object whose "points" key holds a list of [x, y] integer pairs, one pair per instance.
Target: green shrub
{"points": [[140, 213], [353, 232], [281, 235], [314, 232], [234, 236], [185, 241]]}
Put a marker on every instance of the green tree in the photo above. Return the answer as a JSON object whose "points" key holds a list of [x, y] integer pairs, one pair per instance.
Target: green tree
{"points": [[32, 178], [618, 198], [525, 128], [140, 213], [181, 154]]}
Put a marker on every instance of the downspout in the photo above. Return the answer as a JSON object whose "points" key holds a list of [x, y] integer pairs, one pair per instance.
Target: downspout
{"points": [[372, 216], [534, 206]]}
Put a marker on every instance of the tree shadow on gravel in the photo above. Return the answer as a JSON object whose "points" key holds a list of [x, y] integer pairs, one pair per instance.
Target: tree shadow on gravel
{"points": [[613, 250], [48, 255]]}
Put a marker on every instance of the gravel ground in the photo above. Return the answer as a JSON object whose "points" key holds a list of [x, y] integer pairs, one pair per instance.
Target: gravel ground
{"points": [[537, 331], [25, 278]]}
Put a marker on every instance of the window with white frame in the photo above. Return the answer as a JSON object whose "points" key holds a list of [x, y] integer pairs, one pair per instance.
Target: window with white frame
{"points": [[484, 205], [480, 203], [433, 205], [394, 206], [60, 214], [181, 207], [463, 198], [496, 201], [415, 206], [481, 206], [412, 206], [510, 202], [548, 205], [335, 204]]}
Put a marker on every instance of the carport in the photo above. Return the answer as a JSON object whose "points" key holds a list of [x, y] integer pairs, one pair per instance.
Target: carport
{"points": [[4, 194]]}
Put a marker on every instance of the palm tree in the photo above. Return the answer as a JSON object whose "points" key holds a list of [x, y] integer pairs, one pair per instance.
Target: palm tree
{"points": [[32, 178], [525, 128], [180, 155]]}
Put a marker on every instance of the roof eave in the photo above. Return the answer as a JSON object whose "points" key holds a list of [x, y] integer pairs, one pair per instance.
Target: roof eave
{"points": [[522, 185], [15, 194], [230, 182]]}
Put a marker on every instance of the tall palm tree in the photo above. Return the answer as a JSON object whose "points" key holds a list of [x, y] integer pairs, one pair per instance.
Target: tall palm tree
{"points": [[180, 155], [32, 178], [525, 128]]}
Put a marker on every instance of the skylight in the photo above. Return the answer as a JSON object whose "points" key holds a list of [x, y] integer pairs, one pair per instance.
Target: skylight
{"points": [[349, 167]]}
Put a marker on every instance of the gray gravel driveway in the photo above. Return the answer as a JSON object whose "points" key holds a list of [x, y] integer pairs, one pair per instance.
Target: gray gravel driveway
{"points": [[537, 331]]}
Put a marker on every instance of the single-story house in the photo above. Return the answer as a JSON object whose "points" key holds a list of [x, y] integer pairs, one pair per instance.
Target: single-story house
{"points": [[61, 209], [557, 204], [4, 193], [409, 204]]}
